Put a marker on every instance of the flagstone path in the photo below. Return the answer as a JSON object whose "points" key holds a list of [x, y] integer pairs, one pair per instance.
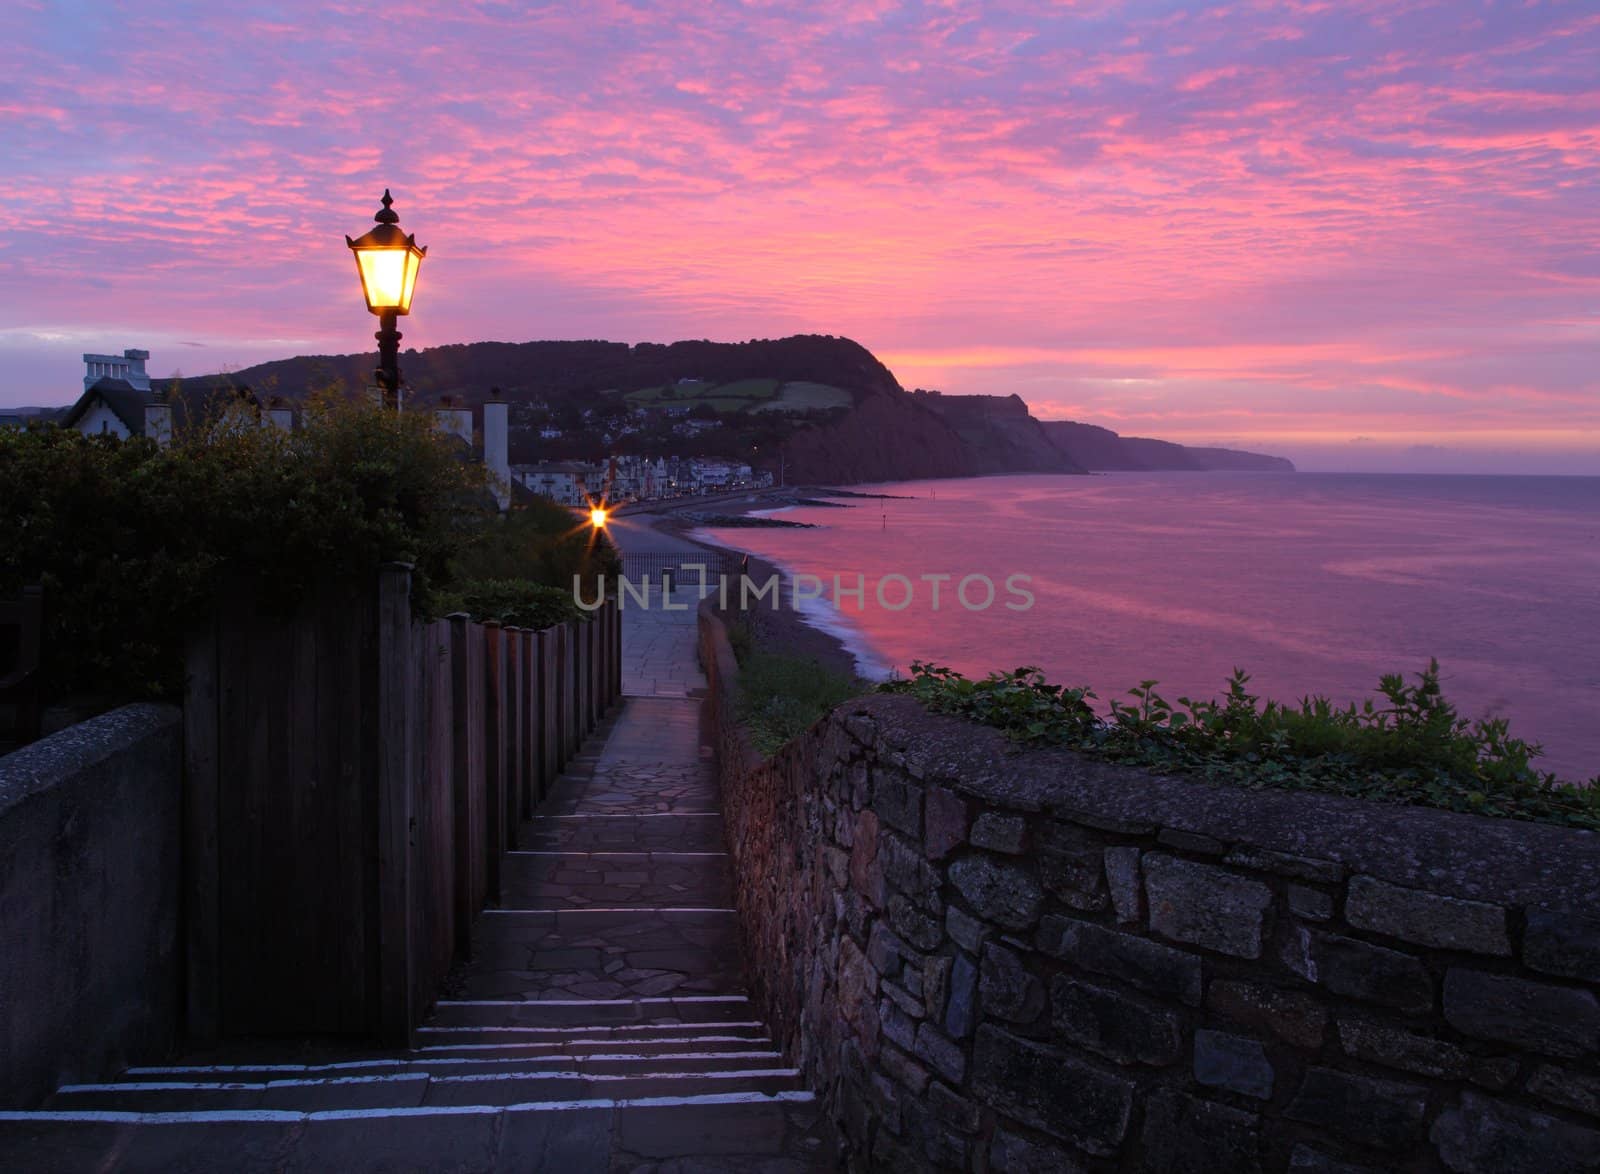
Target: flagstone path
{"points": [[602, 1023]]}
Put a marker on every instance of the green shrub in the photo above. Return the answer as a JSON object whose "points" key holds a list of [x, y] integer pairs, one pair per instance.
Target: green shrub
{"points": [[516, 603], [1409, 747], [133, 543], [781, 696], [538, 541]]}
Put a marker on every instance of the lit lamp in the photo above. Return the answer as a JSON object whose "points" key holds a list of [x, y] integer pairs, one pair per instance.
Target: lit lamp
{"points": [[597, 517], [388, 260]]}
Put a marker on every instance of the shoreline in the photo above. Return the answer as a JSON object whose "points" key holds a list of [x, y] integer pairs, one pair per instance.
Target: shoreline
{"points": [[785, 630]]}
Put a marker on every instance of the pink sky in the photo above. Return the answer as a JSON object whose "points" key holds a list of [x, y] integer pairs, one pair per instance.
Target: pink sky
{"points": [[1361, 233]]}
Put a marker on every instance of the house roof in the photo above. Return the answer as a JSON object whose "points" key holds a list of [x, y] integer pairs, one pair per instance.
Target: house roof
{"points": [[126, 402]]}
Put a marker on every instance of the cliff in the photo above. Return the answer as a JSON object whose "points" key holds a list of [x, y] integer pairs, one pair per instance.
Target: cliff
{"points": [[896, 436], [858, 425], [1101, 449]]}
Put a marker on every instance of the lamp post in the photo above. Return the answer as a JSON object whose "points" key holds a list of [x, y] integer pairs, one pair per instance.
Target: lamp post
{"points": [[388, 260]]}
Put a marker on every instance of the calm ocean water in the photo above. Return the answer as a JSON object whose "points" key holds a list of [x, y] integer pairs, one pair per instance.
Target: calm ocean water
{"points": [[1311, 582]]}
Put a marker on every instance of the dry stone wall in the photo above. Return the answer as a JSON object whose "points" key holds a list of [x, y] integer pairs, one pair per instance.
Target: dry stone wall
{"points": [[987, 959]]}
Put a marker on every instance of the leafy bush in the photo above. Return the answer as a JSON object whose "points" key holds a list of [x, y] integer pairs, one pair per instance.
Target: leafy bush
{"points": [[516, 603], [1409, 747], [133, 543], [542, 542], [781, 696]]}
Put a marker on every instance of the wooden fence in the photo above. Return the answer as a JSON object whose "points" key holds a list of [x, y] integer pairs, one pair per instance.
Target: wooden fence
{"points": [[353, 777]]}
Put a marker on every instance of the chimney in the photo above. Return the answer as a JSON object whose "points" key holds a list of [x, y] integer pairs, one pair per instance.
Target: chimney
{"points": [[452, 420], [158, 423], [496, 458], [134, 372]]}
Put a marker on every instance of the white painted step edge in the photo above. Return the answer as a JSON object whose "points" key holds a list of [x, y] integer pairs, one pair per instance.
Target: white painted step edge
{"points": [[226, 1116]]}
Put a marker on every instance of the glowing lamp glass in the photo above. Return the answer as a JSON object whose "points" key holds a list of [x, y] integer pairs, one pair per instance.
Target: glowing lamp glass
{"points": [[389, 276], [597, 517]]}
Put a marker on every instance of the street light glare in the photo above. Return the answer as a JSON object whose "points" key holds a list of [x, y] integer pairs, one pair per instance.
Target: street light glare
{"points": [[597, 517]]}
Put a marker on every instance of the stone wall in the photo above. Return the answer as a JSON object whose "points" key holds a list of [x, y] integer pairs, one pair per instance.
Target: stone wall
{"points": [[989, 959], [89, 865]]}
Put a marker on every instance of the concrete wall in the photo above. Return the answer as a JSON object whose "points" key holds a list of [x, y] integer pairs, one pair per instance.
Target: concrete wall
{"points": [[989, 959], [89, 862]]}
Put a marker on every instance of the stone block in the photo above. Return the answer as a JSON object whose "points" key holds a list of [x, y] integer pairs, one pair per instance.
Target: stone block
{"points": [[1122, 881], [1149, 966], [1204, 905], [866, 876], [966, 931], [936, 984], [1564, 943], [921, 929], [947, 1106], [941, 1053], [904, 1069], [897, 801], [1186, 1135], [1428, 919], [1045, 1088], [1292, 1016], [1311, 904], [1563, 1086], [896, 1025], [885, 950], [1071, 866], [1232, 1062], [1375, 974], [1394, 1047], [898, 995], [1561, 1021], [961, 1010], [857, 982], [944, 822], [1012, 1154], [1001, 893], [1114, 1025], [1328, 872], [1380, 1113], [1009, 992], [1000, 833], [1487, 1136], [905, 869]]}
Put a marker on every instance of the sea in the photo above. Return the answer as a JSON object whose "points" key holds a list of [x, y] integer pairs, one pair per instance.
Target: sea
{"points": [[1313, 583]]}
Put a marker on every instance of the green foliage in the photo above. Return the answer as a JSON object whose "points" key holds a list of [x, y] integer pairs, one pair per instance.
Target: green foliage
{"points": [[517, 603], [1410, 746], [538, 541], [781, 696], [133, 543]]}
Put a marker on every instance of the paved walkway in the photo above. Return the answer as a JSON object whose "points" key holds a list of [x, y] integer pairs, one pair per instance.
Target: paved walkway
{"points": [[602, 1025]]}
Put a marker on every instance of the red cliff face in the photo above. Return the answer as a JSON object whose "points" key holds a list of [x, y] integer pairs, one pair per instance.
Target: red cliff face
{"points": [[895, 436]]}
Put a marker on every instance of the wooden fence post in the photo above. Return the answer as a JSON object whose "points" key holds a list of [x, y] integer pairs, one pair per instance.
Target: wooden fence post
{"points": [[466, 771], [201, 876], [395, 727], [494, 751]]}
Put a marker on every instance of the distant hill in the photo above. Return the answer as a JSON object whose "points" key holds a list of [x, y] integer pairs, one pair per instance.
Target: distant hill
{"points": [[823, 407], [1102, 450]]}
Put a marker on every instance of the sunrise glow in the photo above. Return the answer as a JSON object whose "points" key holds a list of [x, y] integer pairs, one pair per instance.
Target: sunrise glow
{"points": [[1360, 234]]}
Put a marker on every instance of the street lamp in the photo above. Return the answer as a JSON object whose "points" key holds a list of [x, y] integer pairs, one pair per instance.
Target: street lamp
{"points": [[388, 260]]}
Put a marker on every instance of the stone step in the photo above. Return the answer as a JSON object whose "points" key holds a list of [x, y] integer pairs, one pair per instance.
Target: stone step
{"points": [[568, 1013], [668, 831], [408, 1090], [612, 1060], [540, 881], [703, 1132], [640, 1038]]}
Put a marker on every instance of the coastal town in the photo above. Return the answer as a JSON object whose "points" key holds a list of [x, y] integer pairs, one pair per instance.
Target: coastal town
{"points": [[121, 399]]}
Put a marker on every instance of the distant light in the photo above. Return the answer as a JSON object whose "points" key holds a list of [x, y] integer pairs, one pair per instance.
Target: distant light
{"points": [[597, 518]]}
